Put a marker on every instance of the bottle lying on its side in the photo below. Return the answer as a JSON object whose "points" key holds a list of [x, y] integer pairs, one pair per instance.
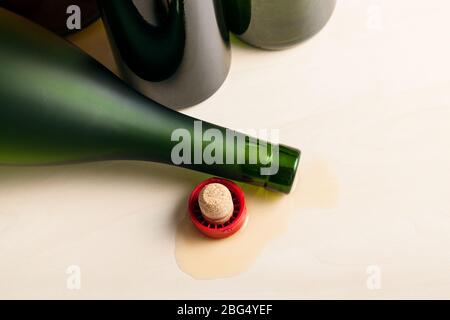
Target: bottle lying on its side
{"points": [[59, 105]]}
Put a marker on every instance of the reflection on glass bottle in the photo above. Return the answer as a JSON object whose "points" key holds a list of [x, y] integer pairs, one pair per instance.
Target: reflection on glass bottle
{"points": [[52, 14], [238, 14], [151, 46], [277, 24], [175, 52]]}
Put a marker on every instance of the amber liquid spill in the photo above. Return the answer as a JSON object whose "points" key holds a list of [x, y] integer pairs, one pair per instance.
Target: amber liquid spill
{"points": [[268, 217]]}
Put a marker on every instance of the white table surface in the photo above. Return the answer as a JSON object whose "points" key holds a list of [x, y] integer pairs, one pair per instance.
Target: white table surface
{"points": [[368, 98]]}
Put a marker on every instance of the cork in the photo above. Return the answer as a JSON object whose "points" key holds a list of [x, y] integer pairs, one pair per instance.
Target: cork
{"points": [[216, 203]]}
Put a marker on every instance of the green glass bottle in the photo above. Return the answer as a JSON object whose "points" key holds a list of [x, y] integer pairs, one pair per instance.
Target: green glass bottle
{"points": [[175, 52], [277, 24], [59, 105]]}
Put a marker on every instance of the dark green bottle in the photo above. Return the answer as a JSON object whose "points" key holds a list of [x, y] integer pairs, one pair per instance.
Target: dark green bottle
{"points": [[59, 105], [175, 52], [277, 24]]}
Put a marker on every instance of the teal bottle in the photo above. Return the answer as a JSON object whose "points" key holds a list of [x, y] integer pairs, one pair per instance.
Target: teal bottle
{"points": [[59, 105]]}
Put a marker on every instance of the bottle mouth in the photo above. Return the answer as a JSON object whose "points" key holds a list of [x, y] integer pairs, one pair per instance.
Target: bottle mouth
{"points": [[218, 230], [288, 161]]}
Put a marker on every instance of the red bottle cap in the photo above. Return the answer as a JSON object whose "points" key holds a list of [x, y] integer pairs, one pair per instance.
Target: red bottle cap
{"points": [[222, 230]]}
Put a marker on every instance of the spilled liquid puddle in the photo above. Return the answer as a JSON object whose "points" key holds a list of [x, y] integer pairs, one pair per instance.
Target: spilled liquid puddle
{"points": [[268, 215]]}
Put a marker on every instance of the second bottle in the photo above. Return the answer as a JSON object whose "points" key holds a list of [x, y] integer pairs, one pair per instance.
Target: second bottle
{"points": [[175, 52]]}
